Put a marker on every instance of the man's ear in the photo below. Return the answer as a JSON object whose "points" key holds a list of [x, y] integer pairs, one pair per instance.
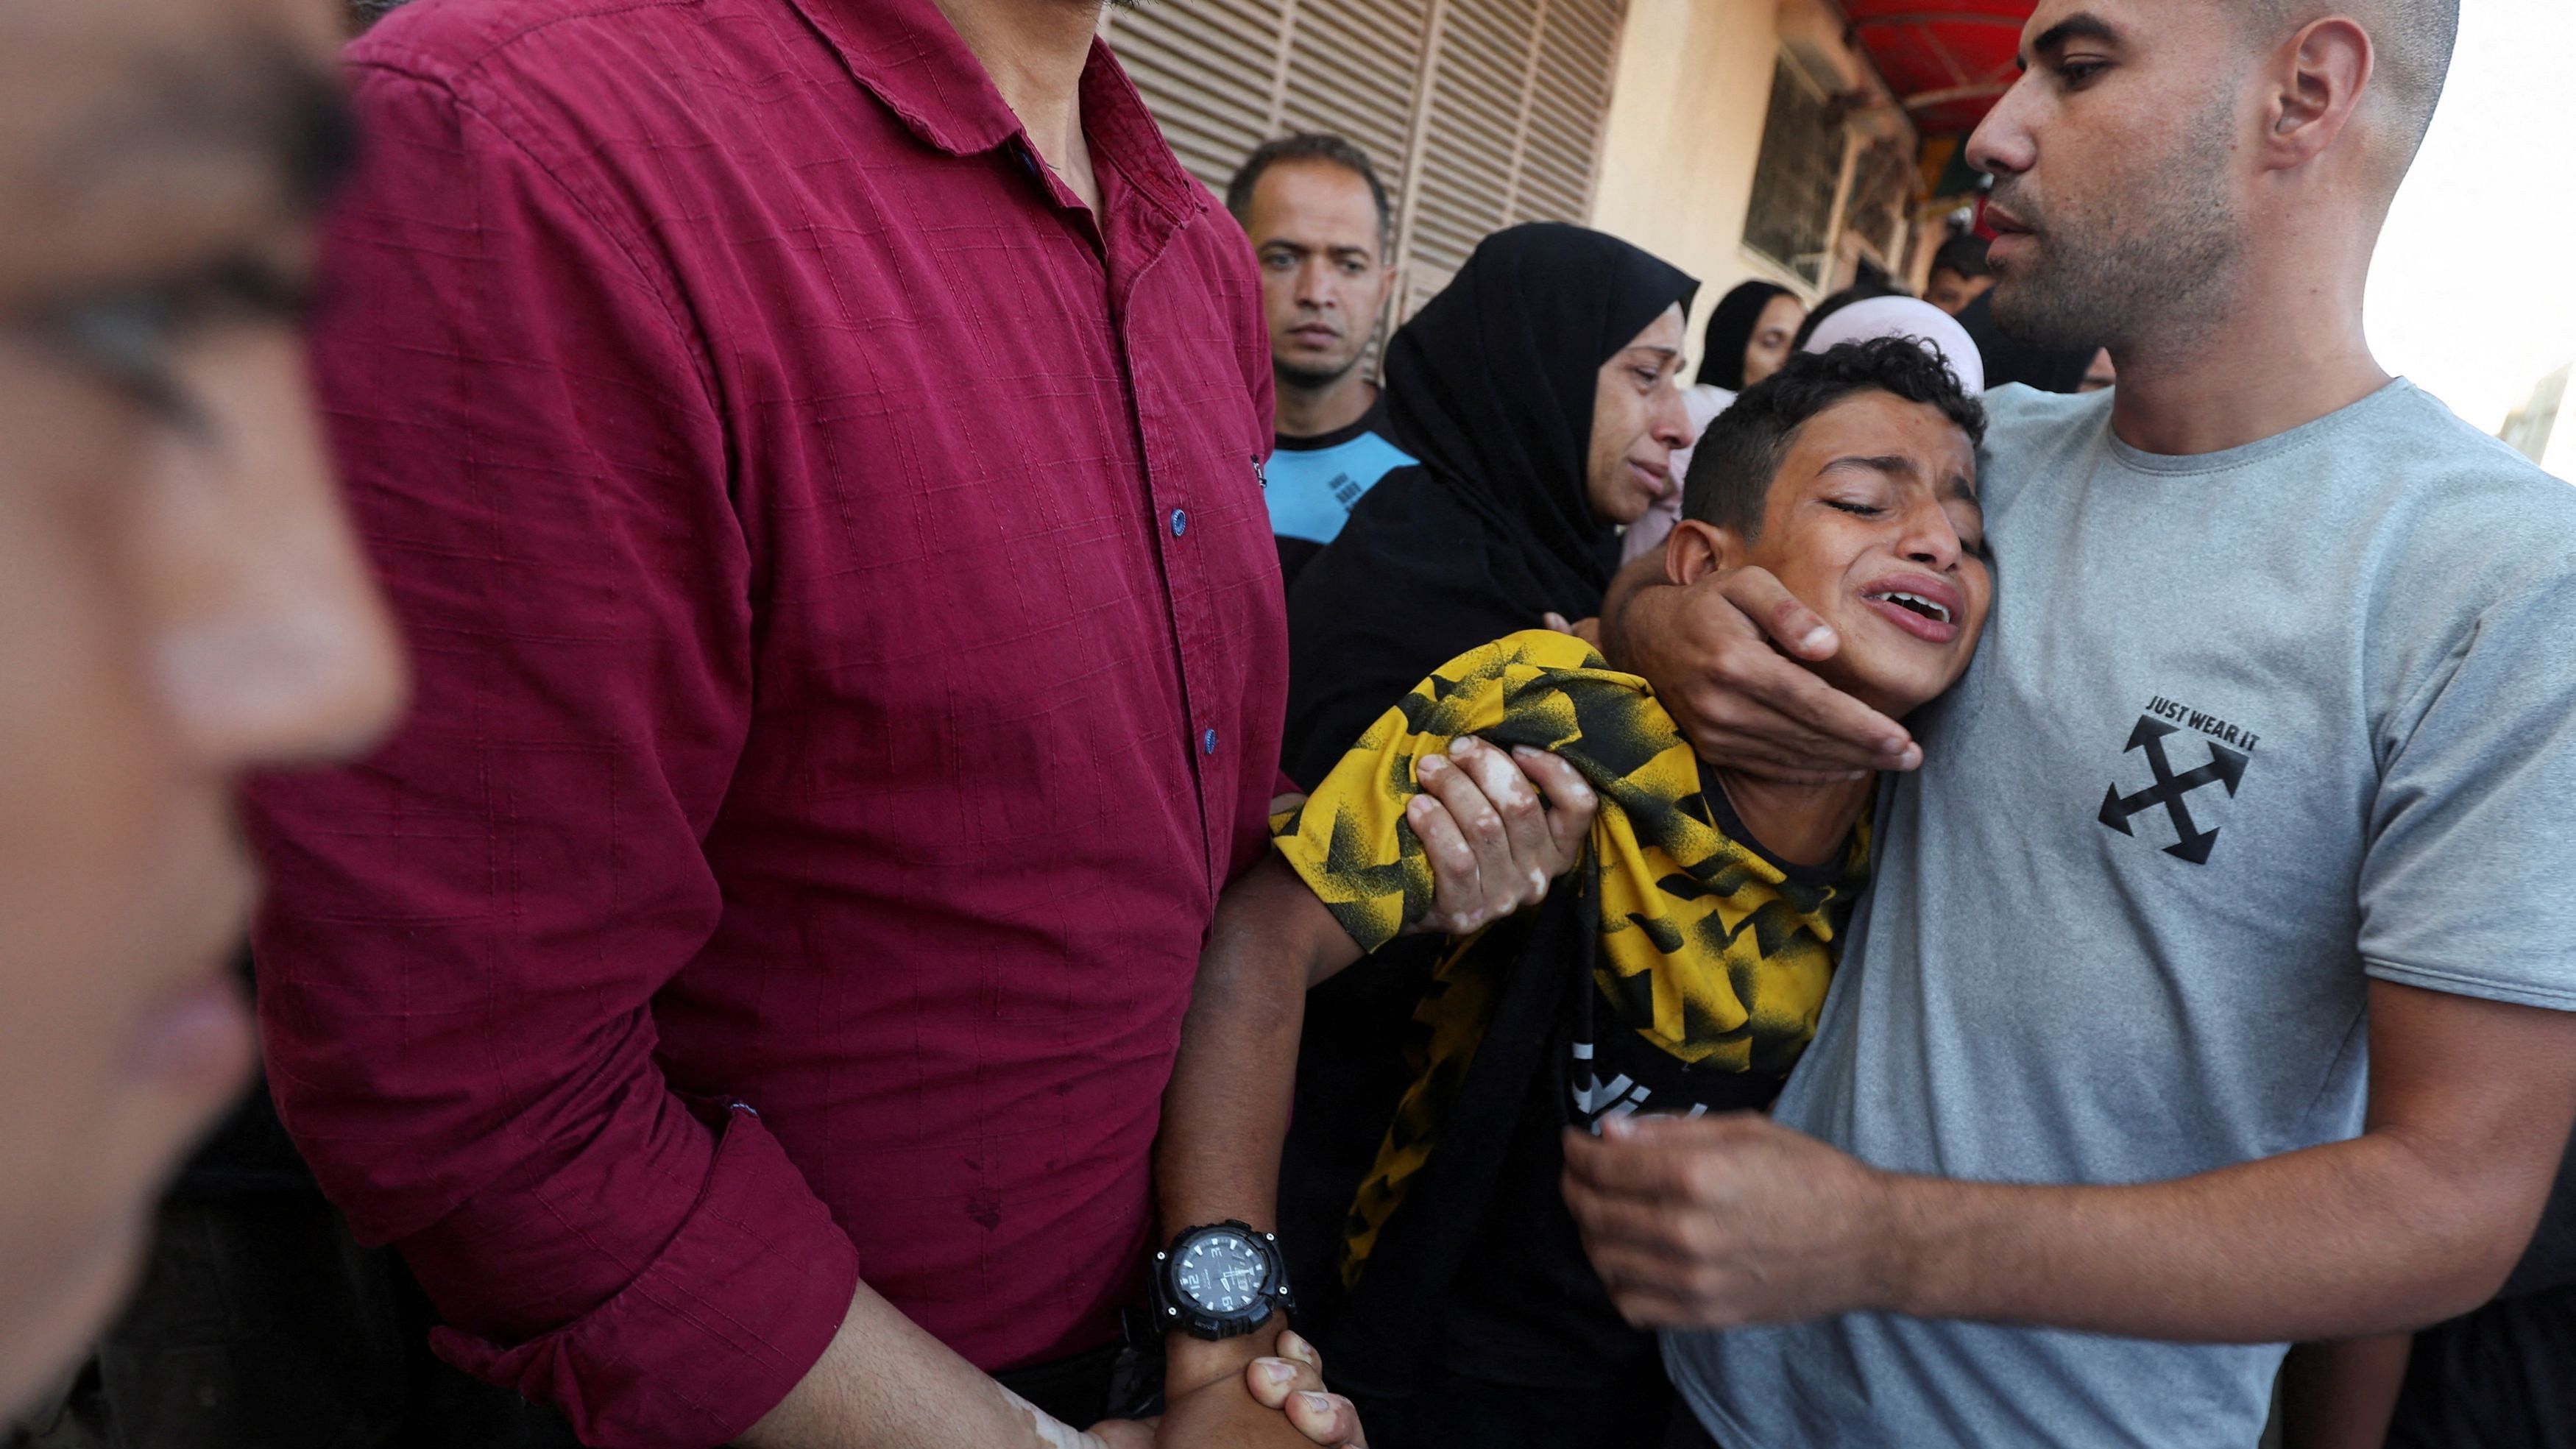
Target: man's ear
{"points": [[1698, 549], [2322, 74]]}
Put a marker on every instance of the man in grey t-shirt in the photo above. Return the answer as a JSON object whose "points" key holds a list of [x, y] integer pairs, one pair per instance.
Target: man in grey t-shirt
{"points": [[2219, 987]]}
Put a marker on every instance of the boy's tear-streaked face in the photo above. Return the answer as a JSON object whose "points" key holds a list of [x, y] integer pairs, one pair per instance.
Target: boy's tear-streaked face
{"points": [[1872, 521]]}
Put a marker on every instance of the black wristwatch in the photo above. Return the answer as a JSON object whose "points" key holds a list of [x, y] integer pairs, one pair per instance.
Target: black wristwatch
{"points": [[1219, 1281]]}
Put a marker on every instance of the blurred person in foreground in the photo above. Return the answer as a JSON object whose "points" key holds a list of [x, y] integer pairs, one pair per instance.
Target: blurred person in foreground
{"points": [[1749, 334], [1682, 975], [814, 448], [2218, 985], [180, 601], [1323, 236], [1960, 274]]}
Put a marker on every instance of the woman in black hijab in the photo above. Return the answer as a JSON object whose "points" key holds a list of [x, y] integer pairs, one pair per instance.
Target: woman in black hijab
{"points": [[1538, 393], [1755, 312], [1750, 334]]}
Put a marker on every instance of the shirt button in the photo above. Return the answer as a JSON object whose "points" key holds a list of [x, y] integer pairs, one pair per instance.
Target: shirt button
{"points": [[1207, 742], [1180, 522]]}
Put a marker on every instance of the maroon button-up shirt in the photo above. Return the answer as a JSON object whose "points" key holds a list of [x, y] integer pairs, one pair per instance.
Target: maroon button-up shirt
{"points": [[849, 663]]}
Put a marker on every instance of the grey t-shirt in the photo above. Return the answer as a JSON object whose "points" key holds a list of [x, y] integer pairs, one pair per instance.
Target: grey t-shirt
{"points": [[2248, 730]]}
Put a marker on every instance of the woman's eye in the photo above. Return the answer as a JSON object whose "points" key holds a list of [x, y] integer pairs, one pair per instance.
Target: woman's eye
{"points": [[1859, 510]]}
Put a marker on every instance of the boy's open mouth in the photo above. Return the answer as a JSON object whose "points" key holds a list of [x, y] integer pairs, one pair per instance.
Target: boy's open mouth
{"points": [[1914, 604]]}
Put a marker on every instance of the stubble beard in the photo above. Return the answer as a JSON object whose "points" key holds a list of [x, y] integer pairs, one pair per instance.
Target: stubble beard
{"points": [[2161, 276], [1307, 379]]}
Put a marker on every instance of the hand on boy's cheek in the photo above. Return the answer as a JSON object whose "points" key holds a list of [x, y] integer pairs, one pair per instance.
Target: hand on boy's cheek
{"points": [[1709, 650], [1717, 1222]]}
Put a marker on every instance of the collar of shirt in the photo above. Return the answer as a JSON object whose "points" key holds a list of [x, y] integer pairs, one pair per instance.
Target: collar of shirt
{"points": [[909, 57]]}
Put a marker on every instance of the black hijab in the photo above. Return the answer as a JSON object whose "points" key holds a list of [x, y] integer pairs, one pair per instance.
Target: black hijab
{"points": [[1730, 331], [1490, 388]]}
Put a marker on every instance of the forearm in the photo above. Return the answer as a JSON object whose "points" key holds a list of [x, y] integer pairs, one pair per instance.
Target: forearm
{"points": [[2350, 1239], [1225, 1114], [886, 1383]]}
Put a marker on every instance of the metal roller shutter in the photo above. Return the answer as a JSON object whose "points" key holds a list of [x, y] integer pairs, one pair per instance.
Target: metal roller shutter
{"points": [[1351, 70], [1208, 69], [1577, 54], [1478, 113], [1479, 96]]}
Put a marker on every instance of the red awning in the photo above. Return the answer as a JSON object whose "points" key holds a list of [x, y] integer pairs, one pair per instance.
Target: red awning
{"points": [[1946, 59]]}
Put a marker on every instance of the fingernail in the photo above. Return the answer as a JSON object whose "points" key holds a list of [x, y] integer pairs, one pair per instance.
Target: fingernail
{"points": [[1816, 638], [1538, 883], [1273, 1371], [1429, 764], [1295, 1347], [1462, 744], [1619, 1128], [1854, 775], [1315, 1401]]}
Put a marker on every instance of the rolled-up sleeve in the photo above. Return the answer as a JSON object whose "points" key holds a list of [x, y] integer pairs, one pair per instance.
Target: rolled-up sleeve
{"points": [[465, 933]]}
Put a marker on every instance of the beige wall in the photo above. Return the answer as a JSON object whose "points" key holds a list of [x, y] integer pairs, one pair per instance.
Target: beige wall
{"points": [[1692, 86], [1686, 108]]}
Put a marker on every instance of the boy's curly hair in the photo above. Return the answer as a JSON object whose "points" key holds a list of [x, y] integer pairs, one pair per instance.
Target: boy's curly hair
{"points": [[1730, 474]]}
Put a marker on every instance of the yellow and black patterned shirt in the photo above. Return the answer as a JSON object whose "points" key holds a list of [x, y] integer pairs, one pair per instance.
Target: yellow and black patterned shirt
{"points": [[1712, 958]]}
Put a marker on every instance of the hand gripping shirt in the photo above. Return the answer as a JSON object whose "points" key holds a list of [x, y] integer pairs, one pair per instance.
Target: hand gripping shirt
{"points": [[1711, 961]]}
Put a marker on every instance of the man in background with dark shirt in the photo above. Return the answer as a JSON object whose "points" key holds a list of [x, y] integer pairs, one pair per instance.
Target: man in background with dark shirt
{"points": [[1323, 234]]}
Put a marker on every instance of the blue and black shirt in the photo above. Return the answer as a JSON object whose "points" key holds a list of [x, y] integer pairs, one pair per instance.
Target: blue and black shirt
{"points": [[1314, 481]]}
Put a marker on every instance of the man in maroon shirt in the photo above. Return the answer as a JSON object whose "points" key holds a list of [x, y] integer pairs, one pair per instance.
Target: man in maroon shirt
{"points": [[813, 447]]}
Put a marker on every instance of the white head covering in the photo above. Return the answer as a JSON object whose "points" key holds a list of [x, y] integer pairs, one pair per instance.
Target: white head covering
{"points": [[1937, 330]]}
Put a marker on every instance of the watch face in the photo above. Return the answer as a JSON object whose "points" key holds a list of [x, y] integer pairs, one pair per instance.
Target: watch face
{"points": [[1221, 1273]]}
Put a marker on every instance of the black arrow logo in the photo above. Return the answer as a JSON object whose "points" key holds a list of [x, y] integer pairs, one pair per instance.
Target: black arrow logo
{"points": [[2225, 767]]}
